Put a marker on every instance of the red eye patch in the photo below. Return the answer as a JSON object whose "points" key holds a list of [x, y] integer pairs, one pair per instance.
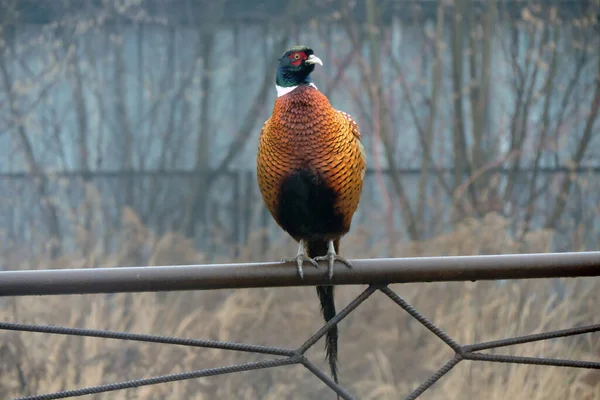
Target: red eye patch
{"points": [[297, 57]]}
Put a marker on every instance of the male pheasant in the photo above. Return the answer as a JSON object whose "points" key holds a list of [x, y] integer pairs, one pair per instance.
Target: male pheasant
{"points": [[310, 169]]}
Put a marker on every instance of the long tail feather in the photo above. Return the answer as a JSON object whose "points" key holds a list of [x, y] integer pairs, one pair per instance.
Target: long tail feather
{"points": [[314, 249]]}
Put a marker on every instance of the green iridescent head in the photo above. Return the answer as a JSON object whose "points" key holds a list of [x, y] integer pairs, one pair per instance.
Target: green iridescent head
{"points": [[295, 67]]}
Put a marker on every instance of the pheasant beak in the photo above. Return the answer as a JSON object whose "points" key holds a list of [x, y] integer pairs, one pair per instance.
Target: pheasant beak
{"points": [[312, 59]]}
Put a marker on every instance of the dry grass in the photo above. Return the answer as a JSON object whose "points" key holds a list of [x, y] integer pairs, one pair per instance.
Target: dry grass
{"points": [[384, 353]]}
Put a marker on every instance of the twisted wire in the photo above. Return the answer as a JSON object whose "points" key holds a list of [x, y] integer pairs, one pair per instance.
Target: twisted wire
{"points": [[422, 319], [327, 380], [166, 378], [338, 317], [533, 338], [99, 333], [434, 378], [557, 362]]}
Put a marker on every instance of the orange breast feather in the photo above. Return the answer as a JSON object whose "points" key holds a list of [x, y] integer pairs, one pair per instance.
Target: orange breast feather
{"points": [[305, 132]]}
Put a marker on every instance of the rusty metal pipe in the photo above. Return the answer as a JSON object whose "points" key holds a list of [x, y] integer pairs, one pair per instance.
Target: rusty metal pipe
{"points": [[275, 274]]}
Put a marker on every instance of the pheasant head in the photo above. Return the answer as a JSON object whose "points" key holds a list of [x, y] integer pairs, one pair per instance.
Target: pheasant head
{"points": [[294, 69]]}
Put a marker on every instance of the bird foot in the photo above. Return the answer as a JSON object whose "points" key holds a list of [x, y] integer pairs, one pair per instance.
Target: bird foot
{"points": [[332, 257], [299, 260]]}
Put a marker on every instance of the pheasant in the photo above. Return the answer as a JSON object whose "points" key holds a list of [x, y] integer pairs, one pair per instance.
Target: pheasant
{"points": [[310, 169]]}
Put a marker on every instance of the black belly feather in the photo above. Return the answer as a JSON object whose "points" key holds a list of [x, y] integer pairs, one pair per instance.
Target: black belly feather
{"points": [[306, 207]]}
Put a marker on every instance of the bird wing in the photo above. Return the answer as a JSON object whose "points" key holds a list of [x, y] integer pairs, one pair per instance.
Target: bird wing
{"points": [[264, 126], [355, 131], [353, 124]]}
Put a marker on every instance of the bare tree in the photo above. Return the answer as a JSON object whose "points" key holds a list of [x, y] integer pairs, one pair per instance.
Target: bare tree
{"points": [[24, 138], [577, 157], [480, 100]]}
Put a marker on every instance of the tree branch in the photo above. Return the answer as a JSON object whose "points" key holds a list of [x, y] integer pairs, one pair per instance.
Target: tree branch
{"points": [[565, 188]]}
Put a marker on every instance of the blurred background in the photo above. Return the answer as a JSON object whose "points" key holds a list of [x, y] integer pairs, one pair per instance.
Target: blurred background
{"points": [[128, 136]]}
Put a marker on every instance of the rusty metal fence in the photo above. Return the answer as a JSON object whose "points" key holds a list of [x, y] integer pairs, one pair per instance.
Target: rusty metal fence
{"points": [[376, 273]]}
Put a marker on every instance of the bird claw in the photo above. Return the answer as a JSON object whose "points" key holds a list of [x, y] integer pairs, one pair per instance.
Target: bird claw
{"points": [[299, 260], [331, 258]]}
